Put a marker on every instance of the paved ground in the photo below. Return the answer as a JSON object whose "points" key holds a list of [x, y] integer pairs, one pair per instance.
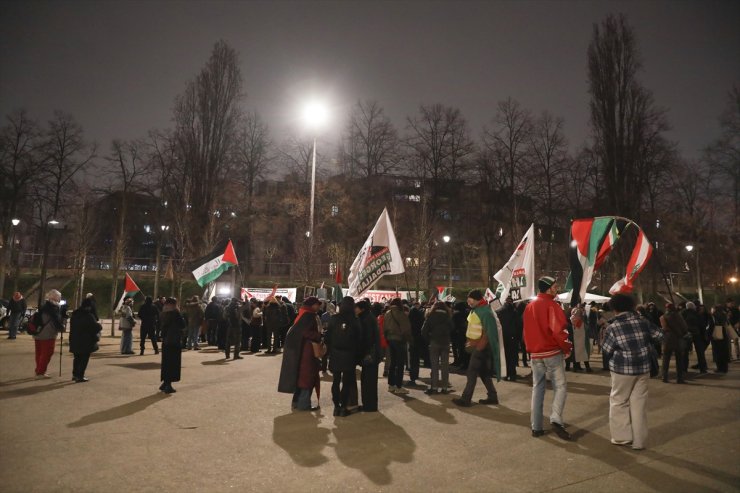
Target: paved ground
{"points": [[227, 429]]}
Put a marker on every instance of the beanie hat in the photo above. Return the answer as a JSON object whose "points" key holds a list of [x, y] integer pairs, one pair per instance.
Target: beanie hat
{"points": [[311, 301], [545, 282], [690, 306]]}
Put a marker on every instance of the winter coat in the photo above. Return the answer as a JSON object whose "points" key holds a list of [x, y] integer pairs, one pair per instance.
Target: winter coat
{"points": [[213, 311], [693, 322], [51, 318], [545, 328], [15, 307], [675, 329], [172, 326], [511, 323], [84, 332], [299, 367], [396, 325], [371, 347], [437, 328], [272, 317], [343, 338], [195, 313], [127, 318], [149, 315]]}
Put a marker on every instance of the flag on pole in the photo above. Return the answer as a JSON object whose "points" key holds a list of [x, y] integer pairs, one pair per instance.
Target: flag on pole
{"points": [[129, 290], [640, 255], [215, 265], [338, 294], [378, 257], [169, 273], [517, 276], [587, 237], [615, 231]]}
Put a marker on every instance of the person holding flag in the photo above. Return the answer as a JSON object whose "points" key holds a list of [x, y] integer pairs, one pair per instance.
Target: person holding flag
{"points": [[127, 325]]}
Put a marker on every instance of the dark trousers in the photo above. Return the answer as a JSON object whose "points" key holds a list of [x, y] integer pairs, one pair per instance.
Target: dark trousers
{"points": [[511, 351], [212, 332], [237, 348], [221, 336], [256, 341], [524, 353], [721, 354], [479, 367], [148, 333], [245, 335], [398, 361], [669, 349], [369, 387], [340, 388], [79, 364], [700, 345], [414, 357]]}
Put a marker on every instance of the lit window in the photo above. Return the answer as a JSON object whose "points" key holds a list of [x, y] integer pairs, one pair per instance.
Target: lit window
{"points": [[415, 198], [334, 210]]}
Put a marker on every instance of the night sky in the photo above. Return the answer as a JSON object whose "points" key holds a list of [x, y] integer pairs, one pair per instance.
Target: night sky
{"points": [[117, 66]]}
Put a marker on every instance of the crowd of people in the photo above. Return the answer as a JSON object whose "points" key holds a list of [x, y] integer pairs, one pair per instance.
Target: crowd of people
{"points": [[321, 337]]}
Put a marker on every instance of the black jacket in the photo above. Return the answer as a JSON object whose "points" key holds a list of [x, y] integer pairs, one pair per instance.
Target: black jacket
{"points": [[214, 311], [17, 306], [371, 352], [149, 315], [83, 332], [343, 337], [511, 323], [172, 326], [437, 327]]}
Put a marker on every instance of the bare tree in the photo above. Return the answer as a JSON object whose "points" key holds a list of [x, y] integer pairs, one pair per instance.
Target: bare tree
{"points": [[66, 153], [206, 117], [509, 140], [20, 162]]}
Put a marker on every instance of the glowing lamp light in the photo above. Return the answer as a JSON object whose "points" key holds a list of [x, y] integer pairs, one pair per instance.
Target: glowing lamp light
{"points": [[446, 239], [15, 222], [689, 248], [315, 114], [224, 290]]}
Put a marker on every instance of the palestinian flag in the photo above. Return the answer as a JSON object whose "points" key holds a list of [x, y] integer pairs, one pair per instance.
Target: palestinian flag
{"points": [[587, 237], [215, 264], [338, 294], [640, 256], [615, 231], [130, 288]]}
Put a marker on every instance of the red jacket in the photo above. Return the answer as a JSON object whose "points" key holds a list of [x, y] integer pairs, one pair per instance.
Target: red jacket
{"points": [[545, 328]]}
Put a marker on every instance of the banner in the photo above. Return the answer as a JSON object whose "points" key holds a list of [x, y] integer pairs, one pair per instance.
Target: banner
{"points": [[378, 257], [517, 275], [262, 293]]}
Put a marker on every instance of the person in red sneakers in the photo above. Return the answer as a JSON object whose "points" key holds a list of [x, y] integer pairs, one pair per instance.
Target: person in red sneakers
{"points": [[546, 337]]}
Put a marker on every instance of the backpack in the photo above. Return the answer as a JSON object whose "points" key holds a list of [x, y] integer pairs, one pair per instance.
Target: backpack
{"points": [[35, 324]]}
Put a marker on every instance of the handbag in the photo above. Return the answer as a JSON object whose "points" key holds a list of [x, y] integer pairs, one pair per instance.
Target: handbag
{"points": [[718, 333], [319, 349]]}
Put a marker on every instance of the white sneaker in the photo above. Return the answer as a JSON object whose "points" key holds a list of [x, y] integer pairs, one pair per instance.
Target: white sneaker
{"points": [[401, 390]]}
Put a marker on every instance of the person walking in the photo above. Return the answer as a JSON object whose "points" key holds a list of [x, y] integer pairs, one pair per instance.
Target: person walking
{"points": [[84, 334], [195, 313], [675, 329], [299, 370], [720, 339], [436, 332], [482, 344], [17, 308], [343, 339], [695, 326], [234, 333], [397, 331], [511, 330], [372, 354], [51, 325], [627, 345], [127, 324], [546, 337], [149, 316], [172, 326]]}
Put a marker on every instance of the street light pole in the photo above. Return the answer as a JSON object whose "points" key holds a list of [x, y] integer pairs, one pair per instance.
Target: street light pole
{"points": [[313, 194], [699, 292], [447, 239]]}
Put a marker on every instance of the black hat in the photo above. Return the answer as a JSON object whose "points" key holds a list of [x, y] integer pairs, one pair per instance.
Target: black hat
{"points": [[545, 283], [476, 294]]}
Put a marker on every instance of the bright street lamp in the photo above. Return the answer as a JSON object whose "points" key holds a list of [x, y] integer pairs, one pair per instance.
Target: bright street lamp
{"points": [[15, 222], [689, 248], [53, 222], [315, 115], [446, 239], [699, 291]]}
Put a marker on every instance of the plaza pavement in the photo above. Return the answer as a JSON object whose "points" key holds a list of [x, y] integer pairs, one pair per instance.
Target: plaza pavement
{"points": [[227, 429]]}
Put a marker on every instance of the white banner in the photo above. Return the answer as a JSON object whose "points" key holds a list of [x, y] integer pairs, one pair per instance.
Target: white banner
{"points": [[517, 276], [378, 257], [262, 293], [380, 296]]}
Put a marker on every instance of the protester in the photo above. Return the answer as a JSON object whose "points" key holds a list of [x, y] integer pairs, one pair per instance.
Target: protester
{"points": [[234, 332], [675, 329], [299, 371], [195, 313], [84, 333], [511, 331], [546, 337], [149, 316], [127, 324], [17, 308], [627, 346], [172, 326], [256, 326], [581, 341], [93, 305], [417, 345], [397, 330], [720, 339], [212, 314], [372, 353], [457, 337], [436, 332], [697, 337], [343, 338], [51, 323], [482, 344], [272, 318]]}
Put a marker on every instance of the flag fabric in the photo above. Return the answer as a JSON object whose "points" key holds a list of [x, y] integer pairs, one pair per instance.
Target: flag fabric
{"points": [[338, 293], [489, 295], [169, 272], [640, 255], [378, 257], [215, 265], [586, 239], [615, 231], [516, 277], [129, 290]]}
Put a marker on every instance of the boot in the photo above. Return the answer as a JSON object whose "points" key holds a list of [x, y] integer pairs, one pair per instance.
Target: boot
{"points": [[141, 353], [588, 367]]}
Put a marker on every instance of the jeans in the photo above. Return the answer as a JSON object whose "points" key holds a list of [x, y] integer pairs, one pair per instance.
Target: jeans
{"points": [[440, 359], [553, 368], [302, 399], [15, 321], [398, 361], [193, 333], [127, 341]]}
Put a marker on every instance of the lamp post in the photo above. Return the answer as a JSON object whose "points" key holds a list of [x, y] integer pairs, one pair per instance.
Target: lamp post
{"points": [[700, 294], [314, 116], [446, 239], [163, 229]]}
